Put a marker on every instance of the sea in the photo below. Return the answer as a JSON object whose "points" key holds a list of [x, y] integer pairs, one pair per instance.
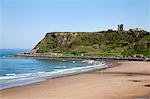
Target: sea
{"points": [[22, 71]]}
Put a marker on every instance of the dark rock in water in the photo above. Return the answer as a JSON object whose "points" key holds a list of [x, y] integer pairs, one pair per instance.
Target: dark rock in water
{"points": [[147, 59]]}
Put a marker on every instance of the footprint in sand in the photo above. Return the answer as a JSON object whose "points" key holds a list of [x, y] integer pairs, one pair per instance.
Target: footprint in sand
{"points": [[148, 85], [135, 80]]}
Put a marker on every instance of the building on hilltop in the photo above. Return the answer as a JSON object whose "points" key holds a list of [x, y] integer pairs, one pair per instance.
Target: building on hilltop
{"points": [[120, 27], [136, 29]]}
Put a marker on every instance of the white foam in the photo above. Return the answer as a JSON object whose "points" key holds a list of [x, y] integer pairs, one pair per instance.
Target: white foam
{"points": [[11, 80], [88, 61], [11, 74]]}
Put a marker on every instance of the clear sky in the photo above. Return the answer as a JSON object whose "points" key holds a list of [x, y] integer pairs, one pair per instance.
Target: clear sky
{"points": [[23, 23]]}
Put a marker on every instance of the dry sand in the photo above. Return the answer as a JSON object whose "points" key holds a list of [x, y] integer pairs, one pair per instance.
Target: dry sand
{"points": [[126, 81]]}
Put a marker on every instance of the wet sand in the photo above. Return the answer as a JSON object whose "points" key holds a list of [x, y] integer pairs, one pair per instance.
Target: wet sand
{"points": [[129, 80]]}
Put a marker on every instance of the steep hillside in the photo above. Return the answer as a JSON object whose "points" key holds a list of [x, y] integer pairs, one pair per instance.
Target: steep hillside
{"points": [[103, 43]]}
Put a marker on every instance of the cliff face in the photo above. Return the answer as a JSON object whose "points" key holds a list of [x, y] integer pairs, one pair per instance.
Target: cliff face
{"points": [[54, 40], [104, 43]]}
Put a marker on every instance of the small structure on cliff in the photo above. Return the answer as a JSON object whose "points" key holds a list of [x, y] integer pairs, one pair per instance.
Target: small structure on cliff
{"points": [[136, 29], [120, 27], [136, 55]]}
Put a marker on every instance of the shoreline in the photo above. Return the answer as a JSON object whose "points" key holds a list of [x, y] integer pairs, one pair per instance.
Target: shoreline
{"points": [[52, 75], [129, 80], [47, 56]]}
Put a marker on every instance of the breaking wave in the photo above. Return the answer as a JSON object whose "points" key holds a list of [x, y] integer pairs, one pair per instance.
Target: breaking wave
{"points": [[13, 80]]}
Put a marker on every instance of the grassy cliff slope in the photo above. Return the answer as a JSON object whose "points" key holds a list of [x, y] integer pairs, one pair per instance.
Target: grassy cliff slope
{"points": [[103, 43]]}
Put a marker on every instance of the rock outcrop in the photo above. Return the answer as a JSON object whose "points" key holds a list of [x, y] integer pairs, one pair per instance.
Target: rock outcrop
{"points": [[103, 43]]}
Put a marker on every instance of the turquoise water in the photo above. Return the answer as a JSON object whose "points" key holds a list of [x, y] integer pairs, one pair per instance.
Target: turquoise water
{"points": [[11, 52], [20, 71]]}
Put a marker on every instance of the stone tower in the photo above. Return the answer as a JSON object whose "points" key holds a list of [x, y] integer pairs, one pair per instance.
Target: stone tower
{"points": [[120, 27]]}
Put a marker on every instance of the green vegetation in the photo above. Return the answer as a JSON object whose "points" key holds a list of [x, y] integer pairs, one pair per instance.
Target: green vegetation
{"points": [[104, 43]]}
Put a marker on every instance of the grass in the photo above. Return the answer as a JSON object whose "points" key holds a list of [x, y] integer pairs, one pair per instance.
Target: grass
{"points": [[105, 43]]}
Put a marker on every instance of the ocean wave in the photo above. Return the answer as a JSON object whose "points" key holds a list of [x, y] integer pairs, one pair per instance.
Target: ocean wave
{"points": [[11, 80]]}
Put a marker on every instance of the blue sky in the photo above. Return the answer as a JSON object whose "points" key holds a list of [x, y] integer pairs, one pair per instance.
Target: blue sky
{"points": [[23, 23]]}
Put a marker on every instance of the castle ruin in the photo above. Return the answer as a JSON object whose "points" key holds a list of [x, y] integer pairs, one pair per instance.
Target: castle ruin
{"points": [[120, 27]]}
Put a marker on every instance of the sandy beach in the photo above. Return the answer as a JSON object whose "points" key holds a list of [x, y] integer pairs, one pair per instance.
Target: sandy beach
{"points": [[129, 80]]}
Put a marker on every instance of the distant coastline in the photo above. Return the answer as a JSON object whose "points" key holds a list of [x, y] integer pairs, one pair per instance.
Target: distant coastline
{"points": [[49, 56]]}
